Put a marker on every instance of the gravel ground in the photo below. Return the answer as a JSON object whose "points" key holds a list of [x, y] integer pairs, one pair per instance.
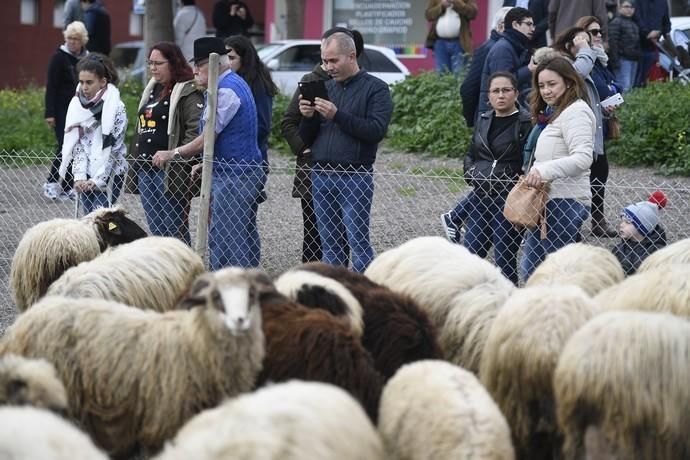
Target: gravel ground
{"points": [[411, 192]]}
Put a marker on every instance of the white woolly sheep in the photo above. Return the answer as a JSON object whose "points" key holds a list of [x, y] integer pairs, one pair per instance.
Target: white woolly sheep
{"points": [[134, 377], [662, 289], [676, 253], [460, 292], [590, 267], [30, 433], [520, 356], [49, 248], [433, 409], [396, 330], [150, 273], [32, 382], [621, 388], [289, 421], [327, 293]]}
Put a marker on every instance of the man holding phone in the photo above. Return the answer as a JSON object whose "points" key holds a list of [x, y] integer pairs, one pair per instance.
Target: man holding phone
{"points": [[344, 133]]}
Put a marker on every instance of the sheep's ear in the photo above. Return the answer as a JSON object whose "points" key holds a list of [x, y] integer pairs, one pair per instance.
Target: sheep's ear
{"points": [[15, 391], [261, 280], [116, 228], [199, 292]]}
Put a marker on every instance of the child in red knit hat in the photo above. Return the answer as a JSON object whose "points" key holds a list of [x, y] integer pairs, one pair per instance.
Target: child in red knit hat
{"points": [[640, 231]]}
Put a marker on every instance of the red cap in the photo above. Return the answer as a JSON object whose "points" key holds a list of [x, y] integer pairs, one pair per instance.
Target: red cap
{"points": [[658, 198]]}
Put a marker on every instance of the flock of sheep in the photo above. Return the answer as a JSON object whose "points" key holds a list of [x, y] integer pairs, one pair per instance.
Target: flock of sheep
{"points": [[125, 345]]}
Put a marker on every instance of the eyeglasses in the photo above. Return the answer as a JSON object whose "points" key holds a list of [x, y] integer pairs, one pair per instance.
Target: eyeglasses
{"points": [[199, 64], [502, 91], [627, 6], [527, 23], [595, 31], [155, 63]]}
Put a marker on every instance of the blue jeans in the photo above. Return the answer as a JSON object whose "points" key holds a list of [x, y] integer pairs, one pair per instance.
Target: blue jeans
{"points": [[626, 74], [167, 215], [233, 236], [486, 226], [448, 55], [343, 200], [564, 218], [461, 211], [647, 60], [98, 199]]}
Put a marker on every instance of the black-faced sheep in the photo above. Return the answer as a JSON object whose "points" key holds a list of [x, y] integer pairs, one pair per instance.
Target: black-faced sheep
{"points": [[590, 267], [662, 289], [311, 344], [433, 409], [621, 388], [289, 421], [460, 292], [676, 253], [520, 356], [28, 433], [49, 248], [396, 330], [31, 382], [134, 377], [150, 273]]}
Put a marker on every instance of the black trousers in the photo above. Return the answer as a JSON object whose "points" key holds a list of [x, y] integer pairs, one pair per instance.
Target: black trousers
{"points": [[599, 174], [54, 173], [311, 244]]}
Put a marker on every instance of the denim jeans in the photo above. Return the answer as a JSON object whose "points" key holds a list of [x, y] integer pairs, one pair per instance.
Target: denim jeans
{"points": [[233, 236], [448, 55], [647, 60], [99, 199], [343, 200], [486, 226], [564, 218], [626, 74], [461, 211], [167, 215]]}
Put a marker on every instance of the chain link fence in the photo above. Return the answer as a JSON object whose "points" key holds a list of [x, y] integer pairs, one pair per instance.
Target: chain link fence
{"points": [[410, 197]]}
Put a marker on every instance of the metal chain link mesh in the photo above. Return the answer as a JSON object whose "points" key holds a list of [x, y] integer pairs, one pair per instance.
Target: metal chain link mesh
{"points": [[408, 201]]}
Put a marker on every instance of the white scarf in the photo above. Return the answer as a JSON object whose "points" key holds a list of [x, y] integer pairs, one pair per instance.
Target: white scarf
{"points": [[79, 118], [600, 54]]}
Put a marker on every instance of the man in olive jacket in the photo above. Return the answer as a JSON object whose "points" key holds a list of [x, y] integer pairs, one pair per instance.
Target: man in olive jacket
{"points": [[344, 133], [450, 36]]}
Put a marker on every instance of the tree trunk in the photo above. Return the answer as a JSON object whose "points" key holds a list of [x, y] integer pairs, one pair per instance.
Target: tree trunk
{"points": [[294, 19], [158, 22]]}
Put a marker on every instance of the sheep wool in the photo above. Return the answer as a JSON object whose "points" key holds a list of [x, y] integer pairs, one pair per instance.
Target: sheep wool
{"points": [[662, 289], [622, 380], [309, 288], [520, 356], [134, 377], [289, 421], [590, 267], [460, 292], [433, 409], [676, 253], [30, 433], [49, 248], [31, 382], [396, 330], [150, 273]]}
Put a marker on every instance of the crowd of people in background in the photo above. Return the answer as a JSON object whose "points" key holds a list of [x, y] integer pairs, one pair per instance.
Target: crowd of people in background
{"points": [[536, 111]]}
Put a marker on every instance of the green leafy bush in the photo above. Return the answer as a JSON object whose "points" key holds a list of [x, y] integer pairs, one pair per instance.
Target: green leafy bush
{"points": [[427, 116], [276, 141], [22, 122], [654, 131]]}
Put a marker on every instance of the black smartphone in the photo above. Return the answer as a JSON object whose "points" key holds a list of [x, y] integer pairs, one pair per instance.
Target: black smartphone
{"points": [[310, 90]]}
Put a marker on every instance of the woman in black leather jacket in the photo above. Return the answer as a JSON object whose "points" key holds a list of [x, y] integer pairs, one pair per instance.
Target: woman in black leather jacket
{"points": [[492, 166]]}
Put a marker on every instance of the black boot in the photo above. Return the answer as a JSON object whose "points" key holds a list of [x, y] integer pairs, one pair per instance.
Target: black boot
{"points": [[601, 228]]}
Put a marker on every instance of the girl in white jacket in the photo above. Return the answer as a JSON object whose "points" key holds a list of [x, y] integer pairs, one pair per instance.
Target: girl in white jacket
{"points": [[94, 134]]}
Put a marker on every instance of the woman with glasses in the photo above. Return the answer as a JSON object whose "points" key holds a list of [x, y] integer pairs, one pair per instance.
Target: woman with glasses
{"points": [[586, 51], [492, 166], [562, 157], [168, 117]]}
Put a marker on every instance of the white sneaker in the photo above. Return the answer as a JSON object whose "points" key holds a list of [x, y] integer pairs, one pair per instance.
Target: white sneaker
{"points": [[51, 190]]}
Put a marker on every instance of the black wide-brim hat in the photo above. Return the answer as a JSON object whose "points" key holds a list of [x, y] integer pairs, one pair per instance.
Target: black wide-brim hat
{"points": [[204, 46]]}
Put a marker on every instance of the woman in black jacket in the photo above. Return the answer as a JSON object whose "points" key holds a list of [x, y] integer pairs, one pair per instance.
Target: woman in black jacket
{"points": [[492, 166], [61, 85]]}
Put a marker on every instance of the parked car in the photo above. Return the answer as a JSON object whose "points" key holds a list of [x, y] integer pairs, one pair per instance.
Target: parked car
{"points": [[130, 60], [289, 60], [680, 30]]}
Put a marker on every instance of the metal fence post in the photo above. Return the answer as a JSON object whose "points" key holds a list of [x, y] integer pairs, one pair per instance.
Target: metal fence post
{"points": [[209, 141]]}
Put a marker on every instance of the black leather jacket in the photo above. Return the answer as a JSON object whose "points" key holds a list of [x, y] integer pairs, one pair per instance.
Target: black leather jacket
{"points": [[492, 166]]}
